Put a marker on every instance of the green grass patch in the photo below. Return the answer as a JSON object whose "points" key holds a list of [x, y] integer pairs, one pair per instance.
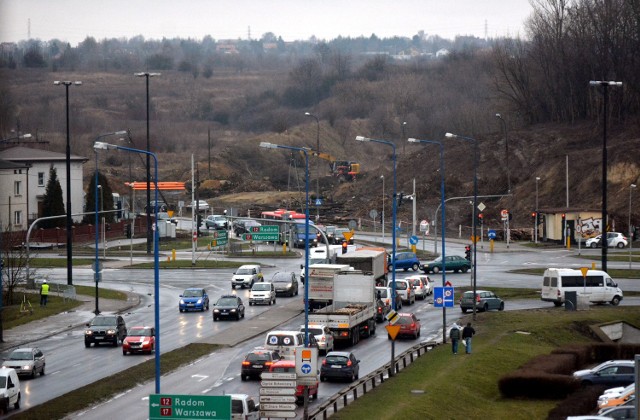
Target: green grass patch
{"points": [[104, 389], [58, 262], [463, 386]]}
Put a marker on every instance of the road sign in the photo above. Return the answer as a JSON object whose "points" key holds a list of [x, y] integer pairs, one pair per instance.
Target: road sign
{"points": [[163, 406], [306, 362], [260, 237], [195, 236], [277, 383], [491, 234], [392, 317], [347, 235], [504, 214], [277, 406], [413, 240], [393, 331], [277, 391], [277, 398], [218, 242], [443, 297], [481, 207], [373, 213], [278, 375], [352, 224], [264, 229], [277, 414], [318, 201], [220, 234]]}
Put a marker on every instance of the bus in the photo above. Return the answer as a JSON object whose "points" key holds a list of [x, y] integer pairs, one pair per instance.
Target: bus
{"points": [[293, 230]]}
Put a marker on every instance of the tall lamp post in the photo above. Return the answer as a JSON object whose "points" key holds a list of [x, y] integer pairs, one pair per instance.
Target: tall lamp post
{"points": [[535, 222], [506, 151], [147, 75], [393, 238], [402, 126], [382, 220], [268, 145], [605, 88], [308, 114], [69, 223], [475, 205], [442, 204], [631, 187], [156, 255]]}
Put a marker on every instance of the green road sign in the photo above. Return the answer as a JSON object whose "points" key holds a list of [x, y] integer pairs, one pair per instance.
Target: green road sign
{"points": [[220, 234], [260, 236], [192, 407], [264, 229], [219, 242]]}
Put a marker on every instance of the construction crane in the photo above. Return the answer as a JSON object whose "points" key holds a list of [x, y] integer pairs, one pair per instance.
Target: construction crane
{"points": [[345, 170]]}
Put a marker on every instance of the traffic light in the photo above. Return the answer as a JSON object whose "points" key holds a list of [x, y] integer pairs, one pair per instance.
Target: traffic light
{"points": [[127, 230], [534, 216], [467, 253], [564, 216], [400, 197], [480, 218], [344, 247]]}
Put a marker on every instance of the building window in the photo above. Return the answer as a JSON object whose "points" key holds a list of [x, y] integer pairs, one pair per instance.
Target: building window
{"points": [[17, 187], [17, 218], [40, 179]]}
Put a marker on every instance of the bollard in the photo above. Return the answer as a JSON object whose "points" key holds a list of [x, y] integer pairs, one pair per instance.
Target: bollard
{"points": [[173, 254]]}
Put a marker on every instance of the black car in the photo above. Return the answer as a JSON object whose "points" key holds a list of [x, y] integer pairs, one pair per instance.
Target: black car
{"points": [[340, 365], [227, 307], [244, 225], [105, 329], [285, 283], [257, 361], [339, 237]]}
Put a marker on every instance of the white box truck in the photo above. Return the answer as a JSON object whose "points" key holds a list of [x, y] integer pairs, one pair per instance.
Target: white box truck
{"points": [[321, 283]]}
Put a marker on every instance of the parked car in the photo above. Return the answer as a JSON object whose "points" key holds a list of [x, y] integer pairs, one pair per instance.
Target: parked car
{"points": [[453, 263], [241, 226], [26, 361], [616, 391], [285, 283], [201, 205], [228, 306], [139, 340], [164, 217], [384, 293], [483, 301], [257, 361], [246, 275], [613, 372], [340, 365], [421, 285], [409, 325], [626, 410], [405, 261], [162, 206], [289, 366], [216, 221], [614, 240], [615, 401], [194, 299], [263, 292], [105, 329], [323, 336], [405, 290]]}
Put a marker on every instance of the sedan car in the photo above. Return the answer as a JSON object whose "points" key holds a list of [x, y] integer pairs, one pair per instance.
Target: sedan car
{"points": [[139, 340], [228, 306], [194, 299], [26, 361], [257, 361], [409, 325], [613, 372], [216, 221], [405, 261], [202, 205], [244, 225], [453, 263], [285, 283], [483, 301], [323, 336], [340, 365]]}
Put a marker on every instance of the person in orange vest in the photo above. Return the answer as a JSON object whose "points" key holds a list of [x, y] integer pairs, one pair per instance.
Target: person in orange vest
{"points": [[44, 293]]}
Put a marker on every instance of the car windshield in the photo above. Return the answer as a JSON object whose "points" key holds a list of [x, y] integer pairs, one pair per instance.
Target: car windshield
{"points": [[404, 320], [227, 302], [383, 293], [257, 357], [337, 360], [281, 278], [242, 271], [192, 293], [416, 282], [315, 331], [141, 332], [400, 285], [468, 295], [261, 287], [100, 321], [439, 259], [21, 355]]}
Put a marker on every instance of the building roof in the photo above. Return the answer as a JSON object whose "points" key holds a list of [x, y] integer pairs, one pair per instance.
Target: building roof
{"points": [[5, 164], [26, 154]]}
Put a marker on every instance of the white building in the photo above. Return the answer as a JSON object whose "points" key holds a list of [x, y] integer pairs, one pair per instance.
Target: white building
{"points": [[39, 162], [13, 195]]}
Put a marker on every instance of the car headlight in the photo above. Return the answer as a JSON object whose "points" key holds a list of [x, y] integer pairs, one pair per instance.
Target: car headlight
{"points": [[233, 310], [88, 332], [181, 301], [289, 285], [111, 331], [216, 310], [26, 367], [199, 301], [4, 366]]}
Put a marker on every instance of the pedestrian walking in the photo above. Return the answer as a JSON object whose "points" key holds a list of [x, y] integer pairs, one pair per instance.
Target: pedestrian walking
{"points": [[454, 335], [44, 293], [467, 333]]}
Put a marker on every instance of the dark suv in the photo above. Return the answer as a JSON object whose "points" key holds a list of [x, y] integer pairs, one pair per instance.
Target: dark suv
{"points": [[105, 329]]}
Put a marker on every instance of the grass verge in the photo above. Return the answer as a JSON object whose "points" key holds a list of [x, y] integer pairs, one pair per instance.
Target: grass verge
{"points": [[105, 388], [466, 386]]}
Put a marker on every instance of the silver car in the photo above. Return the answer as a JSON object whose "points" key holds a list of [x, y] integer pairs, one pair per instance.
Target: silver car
{"points": [[26, 361]]}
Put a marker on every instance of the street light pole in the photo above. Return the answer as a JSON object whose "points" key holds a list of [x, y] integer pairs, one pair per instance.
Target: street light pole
{"points": [[382, 220], [631, 187], [404, 123], [506, 151], [308, 114], [535, 222], [147, 75], [442, 204], [393, 238], [156, 254], [69, 222], [475, 206], [605, 87]]}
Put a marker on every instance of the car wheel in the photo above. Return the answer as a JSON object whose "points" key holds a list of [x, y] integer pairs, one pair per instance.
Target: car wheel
{"points": [[250, 303], [115, 342], [215, 319], [415, 267], [501, 308], [322, 378], [436, 270], [593, 245], [243, 377], [180, 309], [620, 245], [615, 301], [33, 372], [87, 344], [269, 302], [465, 269], [17, 403], [485, 308], [124, 352], [42, 371], [233, 286], [274, 301], [464, 310], [238, 316]]}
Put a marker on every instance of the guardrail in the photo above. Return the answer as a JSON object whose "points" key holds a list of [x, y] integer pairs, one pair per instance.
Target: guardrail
{"points": [[374, 379]]}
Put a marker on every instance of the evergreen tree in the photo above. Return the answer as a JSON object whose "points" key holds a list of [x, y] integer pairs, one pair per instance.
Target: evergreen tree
{"points": [[52, 203], [90, 200]]}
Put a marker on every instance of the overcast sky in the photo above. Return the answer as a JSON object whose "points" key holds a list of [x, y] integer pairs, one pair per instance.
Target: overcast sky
{"points": [[74, 20]]}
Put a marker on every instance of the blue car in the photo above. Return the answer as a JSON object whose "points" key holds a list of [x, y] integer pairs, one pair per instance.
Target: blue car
{"points": [[405, 261], [194, 299]]}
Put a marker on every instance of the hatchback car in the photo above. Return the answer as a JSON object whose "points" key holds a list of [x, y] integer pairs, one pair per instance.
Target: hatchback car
{"points": [[26, 361], [194, 299], [244, 225], [405, 261], [613, 372], [483, 301], [340, 365], [285, 283], [323, 336], [405, 290], [263, 292], [257, 361], [227, 307], [409, 325], [385, 293], [614, 240], [339, 238], [453, 263], [422, 285], [215, 221], [139, 340], [289, 366]]}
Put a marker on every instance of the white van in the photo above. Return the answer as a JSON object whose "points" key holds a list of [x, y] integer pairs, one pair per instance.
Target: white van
{"points": [[285, 342], [246, 275], [9, 389], [597, 286]]}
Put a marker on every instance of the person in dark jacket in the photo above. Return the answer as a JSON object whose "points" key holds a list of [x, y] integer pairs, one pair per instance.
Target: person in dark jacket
{"points": [[467, 333], [454, 335]]}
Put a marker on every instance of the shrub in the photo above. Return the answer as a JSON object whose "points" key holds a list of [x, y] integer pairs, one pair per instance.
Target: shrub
{"points": [[537, 384], [581, 402]]}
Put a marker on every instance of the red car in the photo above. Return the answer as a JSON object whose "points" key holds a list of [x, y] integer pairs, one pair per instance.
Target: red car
{"points": [[139, 340], [289, 366], [409, 325]]}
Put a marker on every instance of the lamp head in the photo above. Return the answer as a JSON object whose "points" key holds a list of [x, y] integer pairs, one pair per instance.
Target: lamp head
{"points": [[632, 185], [450, 136], [120, 133], [25, 136], [537, 178], [100, 145], [412, 140], [361, 138], [268, 145], [308, 114]]}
